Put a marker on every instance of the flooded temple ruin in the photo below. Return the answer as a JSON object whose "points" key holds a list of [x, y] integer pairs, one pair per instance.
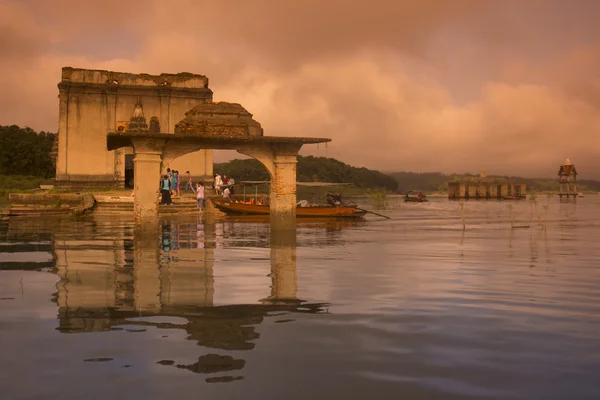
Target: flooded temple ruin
{"points": [[105, 139], [486, 188]]}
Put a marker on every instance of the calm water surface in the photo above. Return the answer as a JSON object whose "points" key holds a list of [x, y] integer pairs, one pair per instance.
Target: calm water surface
{"points": [[413, 307]]}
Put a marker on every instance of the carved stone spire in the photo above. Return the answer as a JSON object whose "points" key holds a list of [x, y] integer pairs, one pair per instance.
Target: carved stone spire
{"points": [[138, 121]]}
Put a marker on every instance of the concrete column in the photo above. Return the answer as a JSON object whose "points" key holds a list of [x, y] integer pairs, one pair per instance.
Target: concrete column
{"points": [[283, 190], [63, 135], [482, 191], [147, 162], [109, 109], [208, 163], [493, 191], [472, 191]]}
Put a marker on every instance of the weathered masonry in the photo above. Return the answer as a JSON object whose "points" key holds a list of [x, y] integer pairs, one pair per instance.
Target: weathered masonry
{"points": [[94, 102], [486, 188], [211, 126]]}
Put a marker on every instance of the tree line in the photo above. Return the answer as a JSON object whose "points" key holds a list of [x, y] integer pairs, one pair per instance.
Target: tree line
{"points": [[311, 169], [24, 151]]}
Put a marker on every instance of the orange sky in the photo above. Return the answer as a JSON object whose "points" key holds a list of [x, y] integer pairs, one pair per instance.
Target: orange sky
{"points": [[434, 85]]}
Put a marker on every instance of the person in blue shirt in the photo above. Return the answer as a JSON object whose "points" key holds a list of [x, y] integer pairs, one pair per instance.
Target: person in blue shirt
{"points": [[173, 180], [165, 188]]}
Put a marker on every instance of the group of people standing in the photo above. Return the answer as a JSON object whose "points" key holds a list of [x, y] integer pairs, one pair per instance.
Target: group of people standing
{"points": [[223, 186], [170, 183]]}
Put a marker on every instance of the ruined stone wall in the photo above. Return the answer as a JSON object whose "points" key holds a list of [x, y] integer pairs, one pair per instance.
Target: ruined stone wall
{"points": [[92, 102]]}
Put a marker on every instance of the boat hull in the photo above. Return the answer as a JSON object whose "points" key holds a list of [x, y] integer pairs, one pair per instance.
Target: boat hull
{"points": [[233, 208]]}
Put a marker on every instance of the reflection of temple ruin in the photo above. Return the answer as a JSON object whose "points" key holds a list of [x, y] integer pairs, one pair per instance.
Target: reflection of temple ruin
{"points": [[484, 188], [107, 283]]}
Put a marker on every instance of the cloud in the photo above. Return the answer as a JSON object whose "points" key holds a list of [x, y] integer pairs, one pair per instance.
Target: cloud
{"points": [[428, 86]]}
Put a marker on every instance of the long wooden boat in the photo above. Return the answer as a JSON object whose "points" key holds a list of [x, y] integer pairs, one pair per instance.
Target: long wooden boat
{"points": [[236, 208]]}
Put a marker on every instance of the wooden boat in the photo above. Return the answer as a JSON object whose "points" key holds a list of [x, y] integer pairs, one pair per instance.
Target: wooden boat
{"points": [[232, 208], [416, 197]]}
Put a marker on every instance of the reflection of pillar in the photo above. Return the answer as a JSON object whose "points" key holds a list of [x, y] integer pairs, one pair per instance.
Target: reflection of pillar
{"points": [[284, 282], [147, 161], [186, 272], [146, 271], [283, 189]]}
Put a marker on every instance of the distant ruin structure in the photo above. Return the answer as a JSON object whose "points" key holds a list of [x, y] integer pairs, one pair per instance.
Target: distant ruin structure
{"points": [[94, 102], [486, 188], [567, 176]]}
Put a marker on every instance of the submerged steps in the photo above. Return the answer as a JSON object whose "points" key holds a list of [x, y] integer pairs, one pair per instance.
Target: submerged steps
{"points": [[123, 204]]}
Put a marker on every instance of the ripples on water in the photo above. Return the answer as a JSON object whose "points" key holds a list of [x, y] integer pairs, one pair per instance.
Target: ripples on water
{"points": [[413, 307]]}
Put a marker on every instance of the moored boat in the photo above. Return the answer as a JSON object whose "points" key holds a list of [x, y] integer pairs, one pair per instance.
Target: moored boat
{"points": [[416, 197], [314, 211]]}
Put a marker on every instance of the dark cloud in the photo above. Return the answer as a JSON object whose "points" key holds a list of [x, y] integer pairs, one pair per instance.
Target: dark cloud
{"points": [[449, 86]]}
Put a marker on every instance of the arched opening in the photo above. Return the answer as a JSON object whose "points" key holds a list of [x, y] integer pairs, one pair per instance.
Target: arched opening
{"points": [[225, 126]]}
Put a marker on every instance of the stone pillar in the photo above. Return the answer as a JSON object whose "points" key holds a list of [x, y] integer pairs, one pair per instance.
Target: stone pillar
{"points": [[493, 191], [63, 135], [482, 191], [283, 191], [147, 161], [472, 191]]}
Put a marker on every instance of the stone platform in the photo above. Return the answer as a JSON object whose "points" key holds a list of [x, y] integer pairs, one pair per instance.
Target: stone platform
{"points": [[49, 203], [121, 203], [103, 203]]}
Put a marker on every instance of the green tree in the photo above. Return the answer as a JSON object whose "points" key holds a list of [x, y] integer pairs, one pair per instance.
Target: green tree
{"points": [[26, 152]]}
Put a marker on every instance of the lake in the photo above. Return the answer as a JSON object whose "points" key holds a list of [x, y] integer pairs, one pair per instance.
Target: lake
{"points": [[415, 307]]}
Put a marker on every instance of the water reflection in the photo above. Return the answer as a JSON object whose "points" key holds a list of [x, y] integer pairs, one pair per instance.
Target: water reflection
{"points": [[133, 279], [422, 308]]}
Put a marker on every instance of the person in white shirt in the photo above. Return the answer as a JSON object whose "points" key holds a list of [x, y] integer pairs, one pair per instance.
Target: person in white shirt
{"points": [[218, 183], [226, 194]]}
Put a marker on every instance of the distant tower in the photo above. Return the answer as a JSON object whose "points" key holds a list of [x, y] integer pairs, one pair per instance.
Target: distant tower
{"points": [[567, 175]]}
